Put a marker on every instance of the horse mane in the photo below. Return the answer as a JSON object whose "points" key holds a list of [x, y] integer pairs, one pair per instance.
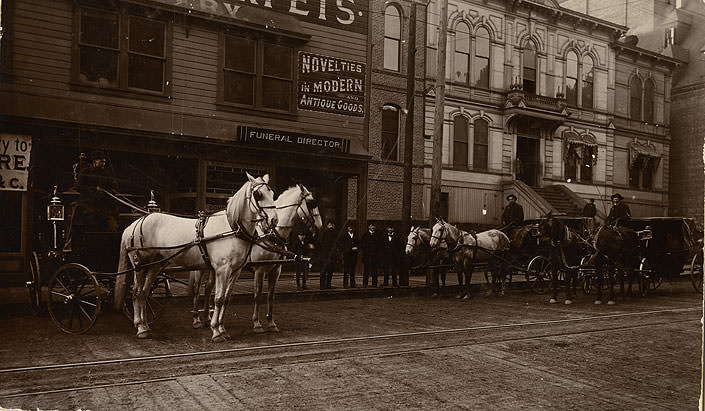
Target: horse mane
{"points": [[235, 204], [292, 190]]}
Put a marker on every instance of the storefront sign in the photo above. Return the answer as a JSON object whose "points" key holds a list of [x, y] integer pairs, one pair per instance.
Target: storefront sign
{"points": [[350, 15], [14, 161], [331, 85], [283, 139]]}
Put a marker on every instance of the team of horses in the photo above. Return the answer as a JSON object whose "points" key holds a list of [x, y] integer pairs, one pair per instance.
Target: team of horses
{"points": [[254, 228]]}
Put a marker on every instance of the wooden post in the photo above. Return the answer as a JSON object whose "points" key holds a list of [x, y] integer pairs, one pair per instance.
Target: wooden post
{"points": [[436, 166]]}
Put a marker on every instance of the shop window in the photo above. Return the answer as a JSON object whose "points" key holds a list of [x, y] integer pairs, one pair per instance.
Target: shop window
{"points": [[529, 69], [588, 82], [390, 133], [11, 221], [649, 101], [481, 60], [104, 60], [635, 98], [392, 38], [460, 142], [462, 54], [258, 73], [571, 78], [480, 144]]}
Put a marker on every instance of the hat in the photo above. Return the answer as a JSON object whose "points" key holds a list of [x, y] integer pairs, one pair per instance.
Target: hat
{"points": [[98, 154], [616, 195], [510, 196]]}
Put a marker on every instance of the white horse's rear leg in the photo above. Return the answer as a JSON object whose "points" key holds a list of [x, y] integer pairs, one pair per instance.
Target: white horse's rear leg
{"points": [[272, 278], [143, 285], [259, 280]]}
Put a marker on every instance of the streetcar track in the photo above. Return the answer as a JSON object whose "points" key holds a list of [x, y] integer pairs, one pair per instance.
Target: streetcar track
{"points": [[374, 355], [341, 340]]}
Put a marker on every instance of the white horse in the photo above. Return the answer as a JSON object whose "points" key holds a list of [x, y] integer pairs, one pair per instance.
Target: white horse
{"points": [[157, 240], [296, 203]]}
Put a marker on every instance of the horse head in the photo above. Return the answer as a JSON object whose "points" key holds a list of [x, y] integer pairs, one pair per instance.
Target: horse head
{"points": [[551, 230], [412, 240], [438, 233], [308, 210], [260, 201]]}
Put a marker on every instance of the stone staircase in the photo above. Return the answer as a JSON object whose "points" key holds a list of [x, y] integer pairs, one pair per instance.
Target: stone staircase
{"points": [[559, 200]]}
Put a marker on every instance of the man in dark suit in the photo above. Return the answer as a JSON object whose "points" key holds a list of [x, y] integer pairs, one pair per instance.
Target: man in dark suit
{"points": [[300, 245], [619, 212], [370, 255], [328, 250], [391, 251], [512, 216], [349, 245]]}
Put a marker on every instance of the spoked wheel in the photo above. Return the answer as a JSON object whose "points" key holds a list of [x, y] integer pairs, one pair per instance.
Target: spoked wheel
{"points": [[538, 273], [696, 271], [74, 298], [649, 279], [159, 297], [587, 275], [34, 284]]}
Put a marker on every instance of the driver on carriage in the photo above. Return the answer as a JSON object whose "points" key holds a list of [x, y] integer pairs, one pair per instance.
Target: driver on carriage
{"points": [[512, 216], [619, 212]]}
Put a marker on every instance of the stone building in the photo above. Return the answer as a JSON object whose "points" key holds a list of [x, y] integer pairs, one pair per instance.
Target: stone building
{"points": [[542, 101]]}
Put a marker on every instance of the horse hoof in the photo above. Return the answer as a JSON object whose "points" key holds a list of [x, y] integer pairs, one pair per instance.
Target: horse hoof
{"points": [[144, 334], [274, 329], [197, 324], [598, 302], [258, 330], [466, 297], [218, 338], [227, 336], [553, 301], [610, 302], [568, 302]]}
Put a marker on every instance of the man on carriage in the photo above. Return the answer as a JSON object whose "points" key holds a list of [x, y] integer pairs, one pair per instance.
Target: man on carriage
{"points": [[512, 216], [619, 212], [100, 212]]}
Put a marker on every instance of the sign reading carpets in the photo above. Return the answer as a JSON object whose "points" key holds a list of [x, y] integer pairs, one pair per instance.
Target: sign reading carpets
{"points": [[14, 161], [276, 138], [331, 85]]}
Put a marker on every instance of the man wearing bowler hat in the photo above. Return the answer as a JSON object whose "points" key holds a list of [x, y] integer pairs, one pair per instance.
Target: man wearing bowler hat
{"points": [[619, 212], [512, 216]]}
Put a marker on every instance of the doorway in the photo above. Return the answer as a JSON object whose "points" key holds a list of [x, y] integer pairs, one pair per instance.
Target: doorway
{"points": [[528, 164]]}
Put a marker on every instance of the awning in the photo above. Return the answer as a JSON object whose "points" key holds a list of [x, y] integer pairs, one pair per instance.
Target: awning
{"points": [[643, 155], [579, 144]]}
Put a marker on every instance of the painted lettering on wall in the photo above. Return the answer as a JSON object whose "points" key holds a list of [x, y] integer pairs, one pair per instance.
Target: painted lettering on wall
{"points": [[349, 15], [15, 153], [283, 139], [331, 85]]}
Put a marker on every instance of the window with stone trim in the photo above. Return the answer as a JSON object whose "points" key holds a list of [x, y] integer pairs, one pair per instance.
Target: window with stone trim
{"points": [[649, 91], [461, 60], [571, 78], [460, 142], [588, 86], [390, 133], [529, 69], [480, 145], [635, 98], [392, 38], [481, 59]]}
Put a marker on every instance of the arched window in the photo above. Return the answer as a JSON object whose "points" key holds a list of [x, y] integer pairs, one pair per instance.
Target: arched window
{"points": [[529, 68], [462, 54], [392, 38], [649, 101], [635, 98], [460, 142], [480, 144], [481, 61], [571, 78], [390, 133], [588, 82]]}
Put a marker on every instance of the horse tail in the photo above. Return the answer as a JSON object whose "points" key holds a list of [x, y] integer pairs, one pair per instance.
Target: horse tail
{"points": [[124, 264]]}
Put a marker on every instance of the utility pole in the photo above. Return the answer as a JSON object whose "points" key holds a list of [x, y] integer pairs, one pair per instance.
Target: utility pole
{"points": [[436, 167], [409, 132]]}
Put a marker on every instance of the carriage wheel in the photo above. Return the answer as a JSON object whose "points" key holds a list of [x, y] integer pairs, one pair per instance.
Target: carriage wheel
{"points": [[74, 298], [159, 297], [696, 271], [586, 275], [34, 285], [648, 279], [538, 273]]}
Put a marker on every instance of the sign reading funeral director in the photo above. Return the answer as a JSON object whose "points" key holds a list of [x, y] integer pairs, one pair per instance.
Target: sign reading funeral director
{"points": [[331, 85], [275, 138]]}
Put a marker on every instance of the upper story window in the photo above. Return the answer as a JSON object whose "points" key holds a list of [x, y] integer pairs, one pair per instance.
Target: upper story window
{"points": [[107, 59], [588, 82], [390, 133], [480, 147], [669, 38], [257, 73], [392, 38], [481, 60], [635, 98], [460, 142], [461, 66], [529, 69], [571, 78], [649, 101]]}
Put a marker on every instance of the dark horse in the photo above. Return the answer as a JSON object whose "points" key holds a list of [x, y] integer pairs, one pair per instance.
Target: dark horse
{"points": [[616, 249], [565, 251]]}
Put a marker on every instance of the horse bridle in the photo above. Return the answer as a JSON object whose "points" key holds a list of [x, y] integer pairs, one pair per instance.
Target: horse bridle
{"points": [[441, 235], [258, 208], [414, 239], [308, 218]]}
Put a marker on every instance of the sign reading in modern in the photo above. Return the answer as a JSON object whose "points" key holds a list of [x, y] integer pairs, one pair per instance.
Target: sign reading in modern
{"points": [[349, 15], [331, 85], [275, 138], [14, 161]]}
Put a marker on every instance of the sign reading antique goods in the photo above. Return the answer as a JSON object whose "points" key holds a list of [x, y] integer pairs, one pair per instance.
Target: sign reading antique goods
{"points": [[14, 161], [331, 85], [350, 15], [275, 138]]}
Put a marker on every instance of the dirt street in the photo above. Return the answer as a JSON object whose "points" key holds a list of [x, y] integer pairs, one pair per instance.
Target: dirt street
{"points": [[515, 352]]}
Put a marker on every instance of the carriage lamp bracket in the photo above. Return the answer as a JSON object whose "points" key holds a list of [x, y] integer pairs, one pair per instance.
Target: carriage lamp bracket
{"points": [[55, 209], [152, 206]]}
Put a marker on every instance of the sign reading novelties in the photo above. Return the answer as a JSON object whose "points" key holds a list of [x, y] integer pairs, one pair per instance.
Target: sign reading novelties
{"points": [[14, 161], [281, 139], [349, 15], [331, 85]]}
